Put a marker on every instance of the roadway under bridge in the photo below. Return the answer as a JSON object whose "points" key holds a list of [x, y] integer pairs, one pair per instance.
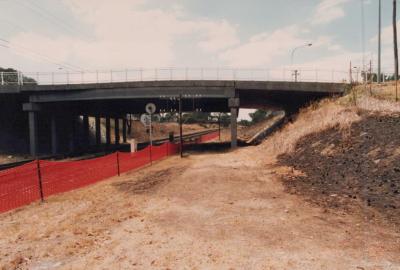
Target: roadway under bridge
{"points": [[51, 105]]}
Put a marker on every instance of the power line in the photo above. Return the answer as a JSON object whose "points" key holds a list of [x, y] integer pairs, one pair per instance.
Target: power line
{"points": [[42, 56], [47, 15]]}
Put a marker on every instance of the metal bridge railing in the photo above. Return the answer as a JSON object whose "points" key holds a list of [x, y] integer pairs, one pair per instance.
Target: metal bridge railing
{"points": [[170, 74]]}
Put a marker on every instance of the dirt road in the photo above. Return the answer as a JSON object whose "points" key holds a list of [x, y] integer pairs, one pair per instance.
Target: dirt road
{"points": [[208, 211]]}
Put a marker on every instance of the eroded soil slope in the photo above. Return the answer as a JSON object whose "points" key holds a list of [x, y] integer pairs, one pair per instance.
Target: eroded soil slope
{"points": [[356, 168]]}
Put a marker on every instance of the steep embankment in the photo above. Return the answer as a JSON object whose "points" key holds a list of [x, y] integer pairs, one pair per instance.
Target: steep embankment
{"points": [[340, 155]]}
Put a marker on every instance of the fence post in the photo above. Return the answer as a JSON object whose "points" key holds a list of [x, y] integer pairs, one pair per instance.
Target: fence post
{"points": [[39, 173], [118, 169], [151, 156]]}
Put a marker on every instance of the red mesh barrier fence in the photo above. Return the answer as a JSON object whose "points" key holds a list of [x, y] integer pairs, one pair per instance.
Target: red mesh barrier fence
{"points": [[63, 176], [19, 186], [159, 152], [130, 161]]}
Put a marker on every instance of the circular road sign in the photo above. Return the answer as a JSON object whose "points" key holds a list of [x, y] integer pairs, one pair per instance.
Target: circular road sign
{"points": [[150, 108], [145, 119]]}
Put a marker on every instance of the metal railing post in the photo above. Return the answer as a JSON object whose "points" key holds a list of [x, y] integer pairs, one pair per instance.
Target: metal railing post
{"points": [[22, 78], [2, 78], [39, 175]]}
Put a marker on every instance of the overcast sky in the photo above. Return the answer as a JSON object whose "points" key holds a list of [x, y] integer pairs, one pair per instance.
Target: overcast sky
{"points": [[118, 34], [42, 35]]}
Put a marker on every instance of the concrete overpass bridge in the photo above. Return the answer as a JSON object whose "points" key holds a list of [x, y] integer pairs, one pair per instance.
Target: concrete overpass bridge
{"points": [[49, 105]]}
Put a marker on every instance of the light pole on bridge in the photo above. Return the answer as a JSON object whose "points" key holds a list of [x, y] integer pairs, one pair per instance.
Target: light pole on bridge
{"points": [[296, 72]]}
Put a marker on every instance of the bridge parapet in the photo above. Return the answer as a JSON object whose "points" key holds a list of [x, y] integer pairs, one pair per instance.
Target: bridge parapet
{"points": [[174, 74]]}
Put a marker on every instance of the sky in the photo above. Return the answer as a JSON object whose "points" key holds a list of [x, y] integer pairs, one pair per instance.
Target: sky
{"points": [[49, 35]]}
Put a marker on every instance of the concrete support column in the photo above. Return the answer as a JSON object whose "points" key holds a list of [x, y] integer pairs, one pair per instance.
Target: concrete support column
{"points": [[33, 134], [124, 123], [98, 130], [116, 126], [108, 130], [85, 131], [32, 109], [234, 106], [72, 135], [54, 138]]}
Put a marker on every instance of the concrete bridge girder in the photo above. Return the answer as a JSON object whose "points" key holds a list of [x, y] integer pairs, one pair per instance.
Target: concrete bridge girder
{"points": [[118, 99]]}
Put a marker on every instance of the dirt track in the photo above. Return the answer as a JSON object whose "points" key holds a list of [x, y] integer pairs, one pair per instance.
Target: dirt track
{"points": [[209, 211]]}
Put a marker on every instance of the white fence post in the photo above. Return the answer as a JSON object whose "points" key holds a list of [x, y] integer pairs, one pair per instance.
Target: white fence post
{"points": [[2, 78]]}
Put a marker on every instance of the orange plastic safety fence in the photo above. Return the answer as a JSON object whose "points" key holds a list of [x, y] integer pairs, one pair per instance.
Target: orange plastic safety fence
{"points": [[130, 161], [60, 177], [19, 186]]}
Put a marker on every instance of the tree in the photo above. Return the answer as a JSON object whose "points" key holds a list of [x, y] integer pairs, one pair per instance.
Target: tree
{"points": [[258, 116], [396, 54], [10, 76]]}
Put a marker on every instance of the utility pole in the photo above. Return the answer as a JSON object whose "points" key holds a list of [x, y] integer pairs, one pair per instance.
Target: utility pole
{"points": [[379, 41], [396, 54], [180, 125]]}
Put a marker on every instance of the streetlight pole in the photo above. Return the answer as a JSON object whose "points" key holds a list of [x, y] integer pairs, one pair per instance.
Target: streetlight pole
{"points": [[379, 42], [296, 72]]}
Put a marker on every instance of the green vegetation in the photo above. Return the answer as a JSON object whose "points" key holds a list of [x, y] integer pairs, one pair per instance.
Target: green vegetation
{"points": [[10, 76]]}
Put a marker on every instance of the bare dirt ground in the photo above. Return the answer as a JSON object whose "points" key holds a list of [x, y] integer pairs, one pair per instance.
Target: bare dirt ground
{"points": [[208, 211]]}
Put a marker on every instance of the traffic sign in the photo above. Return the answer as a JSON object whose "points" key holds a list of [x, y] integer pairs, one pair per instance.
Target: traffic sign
{"points": [[150, 108], [145, 119]]}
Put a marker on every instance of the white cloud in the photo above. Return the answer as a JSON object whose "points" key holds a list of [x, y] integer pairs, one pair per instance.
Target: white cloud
{"points": [[328, 11], [270, 48], [127, 34]]}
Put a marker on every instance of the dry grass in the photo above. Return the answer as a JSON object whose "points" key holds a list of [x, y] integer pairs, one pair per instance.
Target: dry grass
{"points": [[315, 118], [329, 113]]}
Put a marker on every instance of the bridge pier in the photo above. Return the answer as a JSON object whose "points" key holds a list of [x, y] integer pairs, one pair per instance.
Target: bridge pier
{"points": [[234, 106], [116, 130], [108, 130], [124, 123], [32, 109], [98, 130], [86, 132], [54, 137]]}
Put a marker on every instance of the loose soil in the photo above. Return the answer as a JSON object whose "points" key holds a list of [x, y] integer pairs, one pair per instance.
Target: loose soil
{"points": [[207, 211]]}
